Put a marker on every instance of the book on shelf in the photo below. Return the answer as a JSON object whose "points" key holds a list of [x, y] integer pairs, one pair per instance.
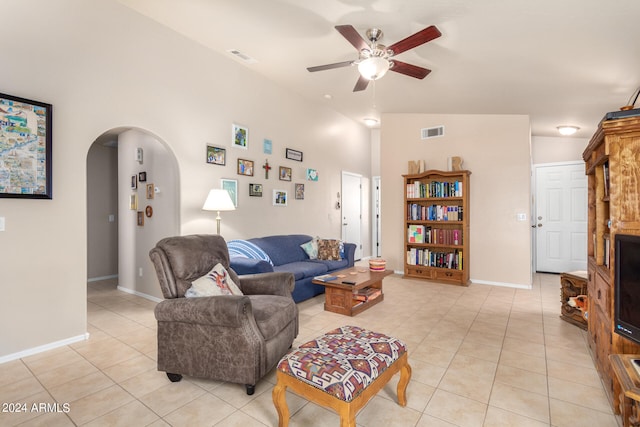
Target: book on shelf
{"points": [[421, 190], [426, 257], [367, 294]]}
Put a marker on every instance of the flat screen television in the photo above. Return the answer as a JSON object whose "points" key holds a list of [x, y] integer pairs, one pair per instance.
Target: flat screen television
{"points": [[627, 286]]}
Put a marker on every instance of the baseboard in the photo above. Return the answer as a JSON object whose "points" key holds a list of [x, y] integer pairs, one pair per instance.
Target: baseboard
{"points": [[97, 279], [505, 285], [41, 348], [140, 294]]}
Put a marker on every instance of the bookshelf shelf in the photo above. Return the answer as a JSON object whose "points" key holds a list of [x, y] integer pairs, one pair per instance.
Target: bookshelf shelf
{"points": [[436, 226]]}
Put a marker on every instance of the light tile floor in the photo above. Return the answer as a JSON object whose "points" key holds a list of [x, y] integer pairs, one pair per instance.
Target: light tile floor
{"points": [[481, 356]]}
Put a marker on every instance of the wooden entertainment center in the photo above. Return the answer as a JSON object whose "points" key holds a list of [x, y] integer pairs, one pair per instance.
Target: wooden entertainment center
{"points": [[612, 162]]}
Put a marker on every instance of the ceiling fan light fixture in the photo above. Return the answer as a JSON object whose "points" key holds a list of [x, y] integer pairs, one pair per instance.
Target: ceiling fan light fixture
{"points": [[566, 130], [373, 68]]}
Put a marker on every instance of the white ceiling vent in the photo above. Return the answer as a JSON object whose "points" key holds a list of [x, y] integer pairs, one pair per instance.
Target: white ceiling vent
{"points": [[242, 56], [433, 132]]}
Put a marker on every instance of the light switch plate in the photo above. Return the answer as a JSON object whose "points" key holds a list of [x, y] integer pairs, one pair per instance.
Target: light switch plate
{"points": [[522, 217], [1, 223]]}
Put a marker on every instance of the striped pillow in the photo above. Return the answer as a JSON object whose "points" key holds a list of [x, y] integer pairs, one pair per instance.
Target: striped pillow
{"points": [[245, 249]]}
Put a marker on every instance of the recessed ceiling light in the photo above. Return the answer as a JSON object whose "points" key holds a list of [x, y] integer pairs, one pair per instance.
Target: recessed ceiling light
{"points": [[328, 96], [567, 130], [370, 121]]}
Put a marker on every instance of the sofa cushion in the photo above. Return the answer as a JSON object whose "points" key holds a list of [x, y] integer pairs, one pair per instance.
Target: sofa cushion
{"points": [[311, 248], [272, 313], [302, 269], [329, 249], [246, 249], [332, 265], [283, 249]]}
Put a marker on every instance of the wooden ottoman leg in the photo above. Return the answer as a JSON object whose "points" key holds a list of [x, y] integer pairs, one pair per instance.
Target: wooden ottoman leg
{"points": [[280, 401], [405, 376]]}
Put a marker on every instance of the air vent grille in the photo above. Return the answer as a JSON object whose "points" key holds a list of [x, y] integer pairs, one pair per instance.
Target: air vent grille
{"points": [[242, 56], [434, 132]]}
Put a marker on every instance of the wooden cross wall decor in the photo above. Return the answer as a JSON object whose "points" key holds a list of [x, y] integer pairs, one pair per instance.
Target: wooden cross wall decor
{"points": [[266, 168]]}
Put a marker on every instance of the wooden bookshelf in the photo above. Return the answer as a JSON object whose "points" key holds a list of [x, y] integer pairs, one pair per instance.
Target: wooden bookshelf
{"points": [[612, 167], [436, 226]]}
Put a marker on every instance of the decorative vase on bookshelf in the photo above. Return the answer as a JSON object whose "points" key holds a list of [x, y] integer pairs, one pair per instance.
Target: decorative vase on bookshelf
{"points": [[437, 226]]}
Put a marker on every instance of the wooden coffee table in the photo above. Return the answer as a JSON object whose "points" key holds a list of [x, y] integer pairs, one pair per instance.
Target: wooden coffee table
{"points": [[341, 298]]}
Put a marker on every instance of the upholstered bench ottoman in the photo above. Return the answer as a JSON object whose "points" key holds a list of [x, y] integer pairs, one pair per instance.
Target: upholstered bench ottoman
{"points": [[342, 370]]}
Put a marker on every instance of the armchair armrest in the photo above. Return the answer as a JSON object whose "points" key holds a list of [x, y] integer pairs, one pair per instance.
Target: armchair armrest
{"points": [[226, 311], [277, 283]]}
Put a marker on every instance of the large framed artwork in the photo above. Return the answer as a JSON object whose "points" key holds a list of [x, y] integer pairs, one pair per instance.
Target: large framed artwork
{"points": [[25, 148], [231, 185]]}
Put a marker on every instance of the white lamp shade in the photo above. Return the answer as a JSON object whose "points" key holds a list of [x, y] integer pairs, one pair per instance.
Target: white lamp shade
{"points": [[218, 200], [373, 68]]}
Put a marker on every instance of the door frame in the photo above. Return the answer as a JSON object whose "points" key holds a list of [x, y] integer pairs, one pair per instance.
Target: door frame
{"points": [[534, 205], [358, 254]]}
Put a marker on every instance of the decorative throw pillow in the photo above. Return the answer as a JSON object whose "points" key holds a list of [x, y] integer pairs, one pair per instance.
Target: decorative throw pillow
{"points": [[215, 282], [329, 249], [246, 249], [311, 248]]}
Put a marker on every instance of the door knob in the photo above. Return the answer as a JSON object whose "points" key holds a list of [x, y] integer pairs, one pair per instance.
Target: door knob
{"points": [[539, 225]]}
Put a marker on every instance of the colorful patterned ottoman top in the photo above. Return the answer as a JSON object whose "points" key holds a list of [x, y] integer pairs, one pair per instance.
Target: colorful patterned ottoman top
{"points": [[343, 362]]}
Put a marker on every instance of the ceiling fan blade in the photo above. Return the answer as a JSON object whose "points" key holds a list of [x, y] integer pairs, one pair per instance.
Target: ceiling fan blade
{"points": [[352, 36], [361, 84], [409, 70], [330, 66], [416, 39]]}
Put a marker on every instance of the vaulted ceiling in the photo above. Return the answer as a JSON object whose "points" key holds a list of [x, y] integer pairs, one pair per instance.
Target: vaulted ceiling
{"points": [[558, 61]]}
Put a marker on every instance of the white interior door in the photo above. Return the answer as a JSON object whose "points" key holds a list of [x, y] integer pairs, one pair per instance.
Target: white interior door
{"points": [[352, 210], [561, 218]]}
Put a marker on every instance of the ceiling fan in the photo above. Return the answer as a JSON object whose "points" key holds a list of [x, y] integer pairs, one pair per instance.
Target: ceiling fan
{"points": [[375, 59]]}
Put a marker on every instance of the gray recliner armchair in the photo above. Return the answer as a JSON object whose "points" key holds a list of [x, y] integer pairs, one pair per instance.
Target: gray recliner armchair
{"points": [[227, 338]]}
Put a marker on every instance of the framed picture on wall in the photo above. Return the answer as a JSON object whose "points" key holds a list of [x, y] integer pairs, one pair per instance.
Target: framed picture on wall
{"points": [[284, 173], [240, 136], [134, 182], [245, 167], [293, 155], [231, 185], [279, 198], [216, 155], [255, 190], [299, 194], [25, 148]]}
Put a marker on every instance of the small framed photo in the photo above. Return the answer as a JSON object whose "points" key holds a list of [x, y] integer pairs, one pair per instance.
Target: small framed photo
{"points": [[133, 202], [150, 191], [240, 136], [312, 175], [216, 155], [140, 218], [284, 173], [148, 211], [245, 167], [299, 195], [134, 182], [142, 177], [294, 155], [267, 146], [231, 185], [279, 198], [255, 190]]}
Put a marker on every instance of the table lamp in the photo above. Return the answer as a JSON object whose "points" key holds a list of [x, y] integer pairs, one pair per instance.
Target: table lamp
{"points": [[218, 200]]}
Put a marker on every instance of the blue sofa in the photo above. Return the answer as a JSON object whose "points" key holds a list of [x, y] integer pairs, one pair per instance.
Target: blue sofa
{"points": [[284, 253]]}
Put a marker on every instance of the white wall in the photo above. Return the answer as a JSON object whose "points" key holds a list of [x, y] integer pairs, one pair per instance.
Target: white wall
{"points": [[496, 149], [103, 67], [547, 149]]}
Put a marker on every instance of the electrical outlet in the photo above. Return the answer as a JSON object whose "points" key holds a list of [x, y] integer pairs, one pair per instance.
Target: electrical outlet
{"points": [[140, 272]]}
